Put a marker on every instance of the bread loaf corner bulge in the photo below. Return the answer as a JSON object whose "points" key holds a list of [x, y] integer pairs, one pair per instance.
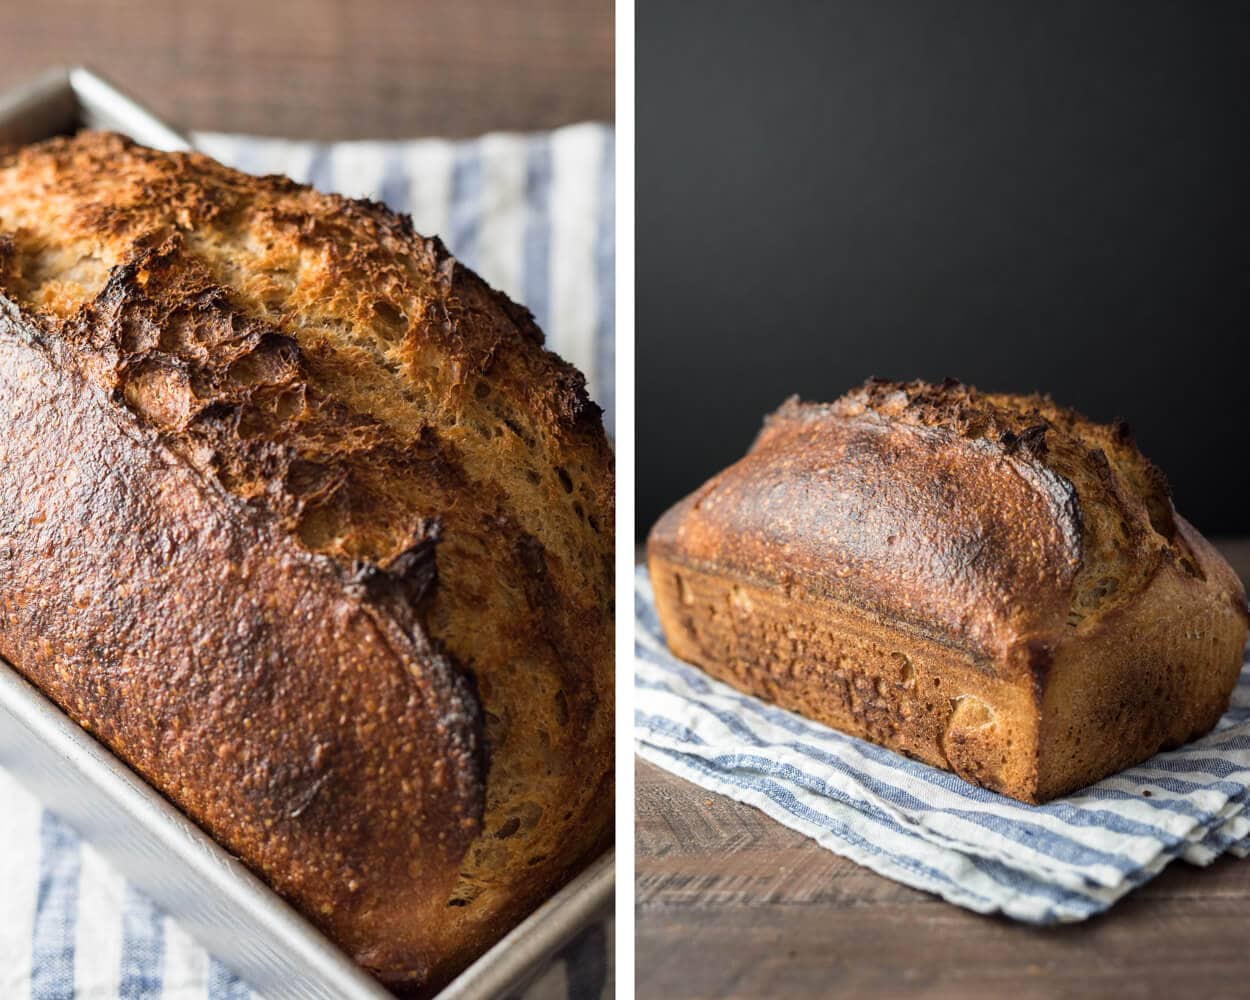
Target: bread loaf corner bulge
{"points": [[299, 518], [989, 583]]}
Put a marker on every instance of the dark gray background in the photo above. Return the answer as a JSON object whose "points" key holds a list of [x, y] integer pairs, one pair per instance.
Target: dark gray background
{"points": [[1025, 196]]}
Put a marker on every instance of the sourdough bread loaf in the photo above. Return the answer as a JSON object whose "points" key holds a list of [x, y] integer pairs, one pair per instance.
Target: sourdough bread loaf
{"points": [[989, 583], [299, 518]]}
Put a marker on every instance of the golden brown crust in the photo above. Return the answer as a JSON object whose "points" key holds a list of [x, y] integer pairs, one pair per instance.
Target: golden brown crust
{"points": [[341, 393], [247, 680], [989, 544]]}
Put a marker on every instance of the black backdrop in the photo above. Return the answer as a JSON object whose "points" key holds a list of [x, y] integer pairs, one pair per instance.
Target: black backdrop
{"points": [[1045, 196]]}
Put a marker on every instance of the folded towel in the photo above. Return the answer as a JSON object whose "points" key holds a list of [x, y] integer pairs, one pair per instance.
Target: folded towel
{"points": [[534, 215], [1063, 861]]}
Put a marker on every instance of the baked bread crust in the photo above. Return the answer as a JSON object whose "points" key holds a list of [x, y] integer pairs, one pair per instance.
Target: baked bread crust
{"points": [[990, 583], [298, 516]]}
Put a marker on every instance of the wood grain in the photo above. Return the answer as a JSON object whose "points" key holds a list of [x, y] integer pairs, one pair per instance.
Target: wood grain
{"points": [[333, 69], [731, 904]]}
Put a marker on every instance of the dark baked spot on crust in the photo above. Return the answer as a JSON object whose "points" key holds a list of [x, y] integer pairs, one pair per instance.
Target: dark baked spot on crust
{"points": [[1040, 656]]}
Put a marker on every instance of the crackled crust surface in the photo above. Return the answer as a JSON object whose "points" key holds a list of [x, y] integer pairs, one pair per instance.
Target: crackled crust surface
{"points": [[339, 390], [944, 555], [976, 518]]}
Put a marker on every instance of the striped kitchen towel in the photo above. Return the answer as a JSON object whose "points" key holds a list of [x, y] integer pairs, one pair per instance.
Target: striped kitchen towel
{"points": [[1064, 861], [533, 214]]}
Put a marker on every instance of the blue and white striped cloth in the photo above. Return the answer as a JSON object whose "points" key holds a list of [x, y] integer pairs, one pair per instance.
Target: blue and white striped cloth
{"points": [[534, 215], [1064, 861]]}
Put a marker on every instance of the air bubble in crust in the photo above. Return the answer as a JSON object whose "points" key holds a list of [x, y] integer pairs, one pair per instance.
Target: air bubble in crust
{"points": [[739, 599], [970, 712], [906, 672]]}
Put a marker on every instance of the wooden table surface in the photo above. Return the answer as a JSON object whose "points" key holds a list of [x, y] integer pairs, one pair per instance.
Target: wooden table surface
{"points": [[332, 69], [731, 904]]}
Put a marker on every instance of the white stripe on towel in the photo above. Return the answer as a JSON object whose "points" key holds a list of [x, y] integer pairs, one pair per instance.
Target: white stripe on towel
{"points": [[20, 820], [576, 193]]}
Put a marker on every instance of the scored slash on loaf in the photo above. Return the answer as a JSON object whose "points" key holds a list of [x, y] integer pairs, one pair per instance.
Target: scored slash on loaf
{"points": [[989, 583]]}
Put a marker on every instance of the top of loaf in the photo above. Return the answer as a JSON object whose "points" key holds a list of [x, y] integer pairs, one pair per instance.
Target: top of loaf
{"points": [[205, 292], [988, 521], [326, 369]]}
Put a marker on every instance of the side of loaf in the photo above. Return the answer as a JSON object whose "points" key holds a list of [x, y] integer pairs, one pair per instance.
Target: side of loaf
{"points": [[301, 520], [991, 584]]}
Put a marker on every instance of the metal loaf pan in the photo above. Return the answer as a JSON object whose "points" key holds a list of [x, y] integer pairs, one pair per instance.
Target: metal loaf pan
{"points": [[227, 908]]}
